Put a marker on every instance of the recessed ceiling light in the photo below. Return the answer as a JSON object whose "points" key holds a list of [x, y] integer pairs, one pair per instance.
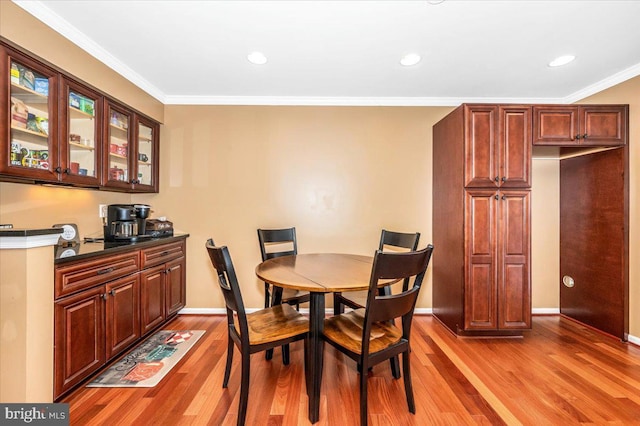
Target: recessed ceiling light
{"points": [[257, 58], [561, 60], [410, 59]]}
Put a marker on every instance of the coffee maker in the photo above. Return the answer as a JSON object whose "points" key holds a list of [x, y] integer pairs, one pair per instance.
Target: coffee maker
{"points": [[126, 222]]}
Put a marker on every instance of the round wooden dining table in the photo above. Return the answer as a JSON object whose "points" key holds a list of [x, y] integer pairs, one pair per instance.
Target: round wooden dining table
{"points": [[317, 273]]}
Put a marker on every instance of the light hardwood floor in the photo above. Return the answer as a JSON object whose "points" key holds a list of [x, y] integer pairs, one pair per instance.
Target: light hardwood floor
{"points": [[560, 373]]}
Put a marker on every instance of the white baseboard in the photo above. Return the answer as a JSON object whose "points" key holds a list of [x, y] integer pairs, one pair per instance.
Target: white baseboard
{"points": [[545, 311], [419, 311], [633, 339]]}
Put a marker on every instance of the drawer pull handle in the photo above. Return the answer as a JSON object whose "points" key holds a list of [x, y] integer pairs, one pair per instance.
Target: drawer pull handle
{"points": [[165, 253], [105, 271]]}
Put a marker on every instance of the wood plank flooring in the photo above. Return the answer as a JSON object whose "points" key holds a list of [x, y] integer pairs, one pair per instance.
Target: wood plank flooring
{"points": [[560, 373]]}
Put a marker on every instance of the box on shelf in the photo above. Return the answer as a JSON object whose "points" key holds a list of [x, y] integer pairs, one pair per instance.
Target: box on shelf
{"points": [[27, 79], [15, 73], [19, 113], [41, 86], [86, 105], [74, 100], [122, 150]]}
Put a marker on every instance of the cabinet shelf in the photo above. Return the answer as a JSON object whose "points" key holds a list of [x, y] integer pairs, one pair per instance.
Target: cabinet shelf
{"points": [[76, 113], [120, 128], [79, 146], [27, 95], [117, 156], [30, 136]]}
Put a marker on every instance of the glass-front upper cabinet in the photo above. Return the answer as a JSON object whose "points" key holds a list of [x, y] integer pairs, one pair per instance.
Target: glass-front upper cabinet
{"points": [[80, 147], [32, 97], [146, 137], [118, 165]]}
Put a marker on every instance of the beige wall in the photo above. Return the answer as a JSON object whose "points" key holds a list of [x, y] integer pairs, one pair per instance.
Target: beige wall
{"points": [[545, 233], [339, 174]]}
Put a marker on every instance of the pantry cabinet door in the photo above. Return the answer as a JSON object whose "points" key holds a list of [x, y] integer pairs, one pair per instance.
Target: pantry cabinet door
{"points": [[28, 107], [480, 292]]}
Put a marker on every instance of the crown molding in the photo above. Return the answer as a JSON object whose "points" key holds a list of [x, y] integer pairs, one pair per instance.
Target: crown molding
{"points": [[604, 84], [40, 11], [345, 101]]}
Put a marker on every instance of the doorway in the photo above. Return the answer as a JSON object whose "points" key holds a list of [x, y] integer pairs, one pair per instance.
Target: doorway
{"points": [[594, 239]]}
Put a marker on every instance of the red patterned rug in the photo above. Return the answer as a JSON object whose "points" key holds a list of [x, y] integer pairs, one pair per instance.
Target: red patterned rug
{"points": [[146, 364]]}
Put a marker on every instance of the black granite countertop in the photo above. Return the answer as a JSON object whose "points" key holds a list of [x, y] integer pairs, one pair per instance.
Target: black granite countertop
{"points": [[87, 250]]}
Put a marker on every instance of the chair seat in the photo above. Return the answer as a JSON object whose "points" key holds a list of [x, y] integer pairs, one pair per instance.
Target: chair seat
{"points": [[276, 323], [346, 330]]}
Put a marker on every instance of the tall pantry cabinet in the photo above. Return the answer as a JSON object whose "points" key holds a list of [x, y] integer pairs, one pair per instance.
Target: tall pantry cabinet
{"points": [[482, 219]]}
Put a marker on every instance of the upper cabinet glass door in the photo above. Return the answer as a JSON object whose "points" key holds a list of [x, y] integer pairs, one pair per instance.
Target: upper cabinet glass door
{"points": [[82, 141], [147, 163], [32, 93], [118, 147]]}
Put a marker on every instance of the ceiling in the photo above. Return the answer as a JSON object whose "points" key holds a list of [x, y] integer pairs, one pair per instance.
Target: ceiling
{"points": [[348, 52]]}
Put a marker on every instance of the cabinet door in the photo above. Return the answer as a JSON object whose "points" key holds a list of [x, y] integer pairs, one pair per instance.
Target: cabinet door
{"points": [[81, 141], [176, 281], [117, 151], [152, 297], [604, 125], [481, 146], [515, 146], [122, 319], [28, 106], [480, 293], [555, 125], [79, 338], [146, 155], [514, 240]]}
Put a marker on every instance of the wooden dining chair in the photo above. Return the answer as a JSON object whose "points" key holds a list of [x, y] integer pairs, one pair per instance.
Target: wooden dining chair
{"points": [[389, 241], [277, 243], [255, 332], [368, 335]]}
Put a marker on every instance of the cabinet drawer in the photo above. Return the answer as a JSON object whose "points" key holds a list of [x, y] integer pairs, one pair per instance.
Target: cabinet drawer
{"points": [[157, 255], [82, 275]]}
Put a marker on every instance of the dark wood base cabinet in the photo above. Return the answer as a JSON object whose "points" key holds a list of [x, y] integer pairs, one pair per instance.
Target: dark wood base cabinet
{"points": [[106, 304]]}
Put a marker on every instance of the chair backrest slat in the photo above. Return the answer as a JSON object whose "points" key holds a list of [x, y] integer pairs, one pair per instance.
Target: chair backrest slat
{"points": [[399, 239], [394, 306], [277, 238]]}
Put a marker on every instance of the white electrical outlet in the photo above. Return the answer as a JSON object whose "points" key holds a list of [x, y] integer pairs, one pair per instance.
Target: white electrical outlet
{"points": [[102, 210]]}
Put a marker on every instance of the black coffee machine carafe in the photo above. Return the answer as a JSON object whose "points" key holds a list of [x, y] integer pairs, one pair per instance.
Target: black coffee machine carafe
{"points": [[126, 222]]}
